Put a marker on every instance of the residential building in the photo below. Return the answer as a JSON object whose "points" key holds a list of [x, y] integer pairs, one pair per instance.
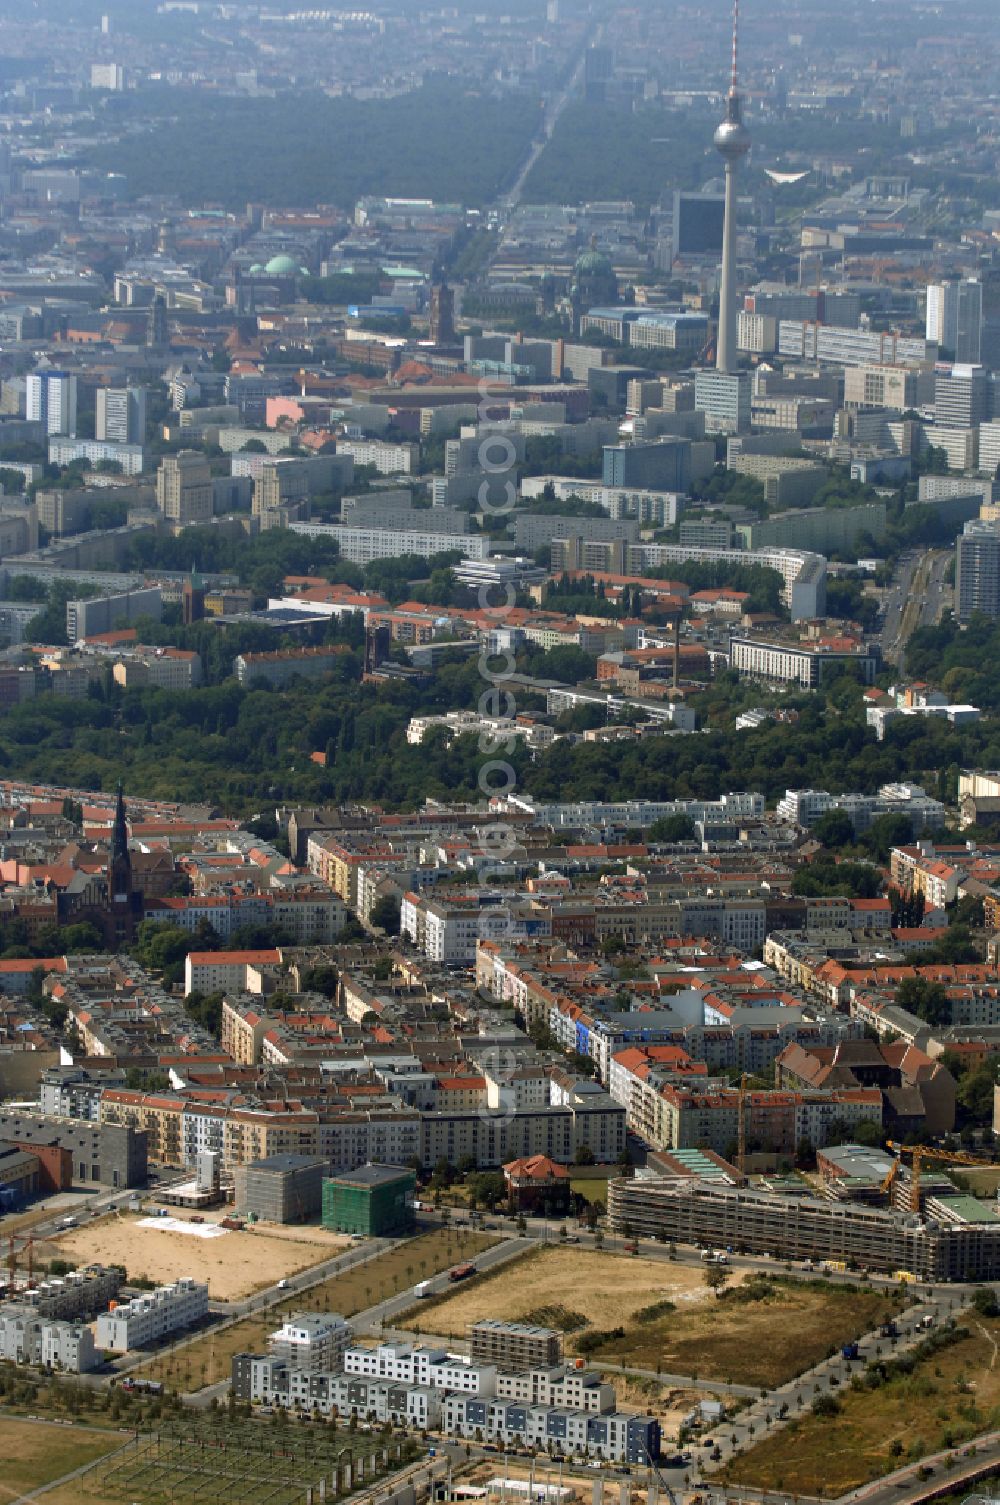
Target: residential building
{"points": [[516, 1346], [120, 416], [801, 663], [96, 614], [51, 400], [312, 1341], [977, 570], [725, 398], [154, 1315], [184, 488]]}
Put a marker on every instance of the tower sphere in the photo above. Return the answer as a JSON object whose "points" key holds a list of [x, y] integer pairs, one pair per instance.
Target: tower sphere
{"points": [[732, 139]]}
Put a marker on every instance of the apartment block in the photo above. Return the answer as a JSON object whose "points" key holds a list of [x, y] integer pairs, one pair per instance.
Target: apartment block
{"points": [[148, 1318], [311, 1341], [516, 1346]]}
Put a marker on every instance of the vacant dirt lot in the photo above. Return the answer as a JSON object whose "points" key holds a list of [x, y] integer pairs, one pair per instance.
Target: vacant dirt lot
{"points": [[234, 1264], [757, 1332], [208, 1357], [607, 1289]]}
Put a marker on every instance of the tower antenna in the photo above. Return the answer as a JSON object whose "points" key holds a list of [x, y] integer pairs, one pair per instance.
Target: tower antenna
{"points": [[732, 142]]}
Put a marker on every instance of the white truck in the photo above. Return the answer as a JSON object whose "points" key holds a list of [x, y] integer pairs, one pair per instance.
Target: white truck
{"points": [[422, 1288]]}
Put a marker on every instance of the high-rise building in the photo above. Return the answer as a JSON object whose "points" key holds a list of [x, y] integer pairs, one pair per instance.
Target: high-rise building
{"points": [[697, 224], [962, 397], [121, 415], [732, 142], [725, 398], [955, 319], [184, 488], [51, 400], [977, 570]]}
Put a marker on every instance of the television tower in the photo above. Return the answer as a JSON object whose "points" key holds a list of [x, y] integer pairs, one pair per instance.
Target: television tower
{"points": [[732, 142]]}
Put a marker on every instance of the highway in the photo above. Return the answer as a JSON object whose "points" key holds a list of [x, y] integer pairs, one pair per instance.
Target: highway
{"points": [[917, 598], [543, 136]]}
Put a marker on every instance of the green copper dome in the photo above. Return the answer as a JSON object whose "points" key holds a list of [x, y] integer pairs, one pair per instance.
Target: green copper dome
{"points": [[282, 266]]}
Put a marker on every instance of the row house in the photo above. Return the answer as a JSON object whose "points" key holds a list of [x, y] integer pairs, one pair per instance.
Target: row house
{"points": [[409, 1365], [614, 1436]]}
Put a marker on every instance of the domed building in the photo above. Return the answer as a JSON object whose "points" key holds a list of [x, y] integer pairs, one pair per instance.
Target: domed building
{"points": [[594, 284], [284, 266]]}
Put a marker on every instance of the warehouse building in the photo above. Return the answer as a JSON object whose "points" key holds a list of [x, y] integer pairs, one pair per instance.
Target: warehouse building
{"points": [[102, 1154], [376, 1200], [281, 1188]]}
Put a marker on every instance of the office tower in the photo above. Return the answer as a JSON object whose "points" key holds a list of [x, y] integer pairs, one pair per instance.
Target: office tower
{"points": [[51, 400], [962, 398], [184, 488], [697, 224], [121, 415], [442, 315], [977, 570], [732, 142], [955, 319]]}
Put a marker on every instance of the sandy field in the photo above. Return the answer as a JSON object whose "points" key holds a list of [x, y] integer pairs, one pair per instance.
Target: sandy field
{"points": [[606, 1288], [234, 1264]]}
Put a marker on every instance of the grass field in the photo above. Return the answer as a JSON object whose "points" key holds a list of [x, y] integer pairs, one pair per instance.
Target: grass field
{"points": [[982, 1180], [951, 1395], [759, 1332], [208, 1358], [34, 1453], [591, 1188]]}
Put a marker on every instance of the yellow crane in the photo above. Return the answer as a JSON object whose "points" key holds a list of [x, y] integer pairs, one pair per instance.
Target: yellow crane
{"points": [[920, 1153]]}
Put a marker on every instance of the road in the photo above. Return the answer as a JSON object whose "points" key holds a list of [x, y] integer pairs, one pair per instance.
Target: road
{"points": [[917, 598], [553, 110]]}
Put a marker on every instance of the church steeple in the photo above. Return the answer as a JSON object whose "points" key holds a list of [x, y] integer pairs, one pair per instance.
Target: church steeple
{"points": [[120, 865]]}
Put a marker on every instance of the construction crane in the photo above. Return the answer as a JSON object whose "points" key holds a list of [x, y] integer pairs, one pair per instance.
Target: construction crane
{"points": [[29, 1245], [920, 1153]]}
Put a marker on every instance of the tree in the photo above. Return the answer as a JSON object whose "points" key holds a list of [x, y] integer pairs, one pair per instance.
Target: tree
{"points": [[928, 1000], [715, 1276], [834, 829], [673, 828], [385, 914], [583, 1155]]}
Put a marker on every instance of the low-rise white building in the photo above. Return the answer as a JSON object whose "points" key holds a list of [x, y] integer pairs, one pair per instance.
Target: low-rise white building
{"points": [[152, 1316]]}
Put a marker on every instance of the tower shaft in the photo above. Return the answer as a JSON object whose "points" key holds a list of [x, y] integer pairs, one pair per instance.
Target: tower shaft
{"points": [[725, 353]]}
